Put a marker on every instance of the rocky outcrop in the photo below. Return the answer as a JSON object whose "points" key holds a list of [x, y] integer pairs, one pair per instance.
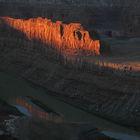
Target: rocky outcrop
{"points": [[5, 114], [120, 17], [56, 34]]}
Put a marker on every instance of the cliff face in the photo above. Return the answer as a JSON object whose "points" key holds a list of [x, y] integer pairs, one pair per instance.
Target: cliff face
{"points": [[121, 17], [56, 34]]}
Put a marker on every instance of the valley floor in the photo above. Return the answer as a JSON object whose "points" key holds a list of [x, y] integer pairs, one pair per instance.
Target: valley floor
{"points": [[114, 97]]}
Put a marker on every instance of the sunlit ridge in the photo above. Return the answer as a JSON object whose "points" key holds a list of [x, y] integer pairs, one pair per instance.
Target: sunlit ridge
{"points": [[56, 34]]}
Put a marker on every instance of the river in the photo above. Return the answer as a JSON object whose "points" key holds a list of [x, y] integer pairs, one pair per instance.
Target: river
{"points": [[15, 91]]}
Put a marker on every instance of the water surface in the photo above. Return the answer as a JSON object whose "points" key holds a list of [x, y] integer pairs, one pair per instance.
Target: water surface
{"points": [[15, 90]]}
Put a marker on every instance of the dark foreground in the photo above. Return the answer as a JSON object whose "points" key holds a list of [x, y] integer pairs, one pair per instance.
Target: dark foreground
{"points": [[24, 128]]}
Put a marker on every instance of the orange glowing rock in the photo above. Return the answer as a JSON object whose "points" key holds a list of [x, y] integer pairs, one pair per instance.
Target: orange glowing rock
{"points": [[56, 34]]}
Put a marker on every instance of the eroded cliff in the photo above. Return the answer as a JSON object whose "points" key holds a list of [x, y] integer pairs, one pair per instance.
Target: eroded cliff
{"points": [[56, 34], [120, 18]]}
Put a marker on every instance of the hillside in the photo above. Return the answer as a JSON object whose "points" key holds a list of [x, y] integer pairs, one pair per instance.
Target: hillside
{"points": [[32, 34], [119, 17], [96, 89]]}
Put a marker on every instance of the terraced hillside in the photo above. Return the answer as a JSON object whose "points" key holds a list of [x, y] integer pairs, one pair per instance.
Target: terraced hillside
{"points": [[99, 91]]}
